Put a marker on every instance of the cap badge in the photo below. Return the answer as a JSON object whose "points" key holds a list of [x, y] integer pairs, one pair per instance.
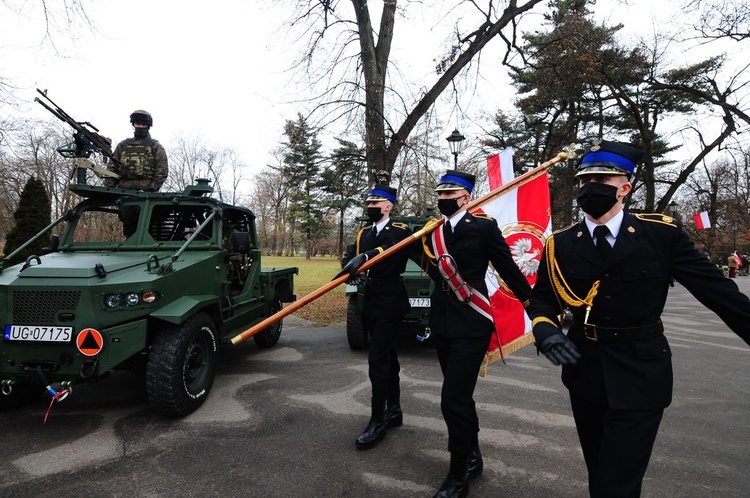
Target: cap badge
{"points": [[597, 145]]}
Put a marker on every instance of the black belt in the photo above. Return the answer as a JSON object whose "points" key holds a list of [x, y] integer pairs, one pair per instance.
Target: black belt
{"points": [[383, 282], [611, 334]]}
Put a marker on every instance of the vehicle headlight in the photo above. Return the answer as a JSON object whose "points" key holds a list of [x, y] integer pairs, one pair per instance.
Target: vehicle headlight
{"points": [[112, 300], [132, 299]]}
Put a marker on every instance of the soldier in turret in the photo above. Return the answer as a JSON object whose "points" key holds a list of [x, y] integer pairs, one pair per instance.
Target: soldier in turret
{"points": [[143, 160]]}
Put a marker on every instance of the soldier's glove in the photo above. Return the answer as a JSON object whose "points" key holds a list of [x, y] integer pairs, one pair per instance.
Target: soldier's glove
{"points": [[352, 266], [556, 346]]}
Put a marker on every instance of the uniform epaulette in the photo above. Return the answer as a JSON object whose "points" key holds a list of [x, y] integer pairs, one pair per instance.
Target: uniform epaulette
{"points": [[398, 224], [483, 216], [565, 229], [657, 218]]}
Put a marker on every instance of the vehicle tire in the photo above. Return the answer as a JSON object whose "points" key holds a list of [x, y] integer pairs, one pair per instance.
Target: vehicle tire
{"points": [[182, 365], [22, 394], [269, 336], [356, 334]]}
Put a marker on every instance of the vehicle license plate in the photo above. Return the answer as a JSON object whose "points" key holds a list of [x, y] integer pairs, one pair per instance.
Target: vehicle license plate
{"points": [[419, 302], [38, 333]]}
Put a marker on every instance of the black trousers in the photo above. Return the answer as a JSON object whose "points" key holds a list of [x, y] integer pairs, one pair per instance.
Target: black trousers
{"points": [[616, 445], [460, 360], [383, 360]]}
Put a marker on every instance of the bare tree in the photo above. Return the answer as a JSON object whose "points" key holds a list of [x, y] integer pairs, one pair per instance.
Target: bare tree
{"points": [[722, 18], [356, 76]]}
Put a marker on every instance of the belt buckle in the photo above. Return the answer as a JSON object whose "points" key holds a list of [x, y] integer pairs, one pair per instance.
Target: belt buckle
{"points": [[589, 331]]}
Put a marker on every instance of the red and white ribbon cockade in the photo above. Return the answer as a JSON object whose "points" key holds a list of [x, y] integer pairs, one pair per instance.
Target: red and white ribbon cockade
{"points": [[463, 290]]}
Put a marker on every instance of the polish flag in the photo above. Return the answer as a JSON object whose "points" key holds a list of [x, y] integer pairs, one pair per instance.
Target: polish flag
{"points": [[524, 218], [701, 220]]}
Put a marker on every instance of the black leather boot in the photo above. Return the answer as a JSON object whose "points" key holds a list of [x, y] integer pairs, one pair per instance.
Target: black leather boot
{"points": [[456, 484], [375, 430], [475, 465], [394, 417]]}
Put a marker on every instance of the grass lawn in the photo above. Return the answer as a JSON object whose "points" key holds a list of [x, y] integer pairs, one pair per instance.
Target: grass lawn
{"points": [[313, 274]]}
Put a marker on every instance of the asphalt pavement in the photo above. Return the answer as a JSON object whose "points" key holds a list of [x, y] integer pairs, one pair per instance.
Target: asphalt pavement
{"points": [[282, 423]]}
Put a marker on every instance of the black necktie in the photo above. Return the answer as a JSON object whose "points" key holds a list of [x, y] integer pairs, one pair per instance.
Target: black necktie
{"points": [[600, 234], [448, 229]]}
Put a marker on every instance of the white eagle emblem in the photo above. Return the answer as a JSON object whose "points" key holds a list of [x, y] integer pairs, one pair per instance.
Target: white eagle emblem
{"points": [[525, 257]]}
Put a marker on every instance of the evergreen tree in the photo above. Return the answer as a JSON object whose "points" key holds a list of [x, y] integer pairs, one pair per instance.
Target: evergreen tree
{"points": [[344, 182], [301, 173], [31, 216]]}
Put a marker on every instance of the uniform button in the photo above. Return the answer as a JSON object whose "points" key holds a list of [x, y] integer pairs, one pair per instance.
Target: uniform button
{"points": [[606, 318], [643, 272], [606, 275], [607, 298]]}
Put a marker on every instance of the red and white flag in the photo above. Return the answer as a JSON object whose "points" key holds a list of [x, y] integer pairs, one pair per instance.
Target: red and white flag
{"points": [[524, 217], [701, 220]]}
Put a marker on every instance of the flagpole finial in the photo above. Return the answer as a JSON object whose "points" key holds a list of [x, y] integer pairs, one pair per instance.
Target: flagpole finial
{"points": [[570, 151]]}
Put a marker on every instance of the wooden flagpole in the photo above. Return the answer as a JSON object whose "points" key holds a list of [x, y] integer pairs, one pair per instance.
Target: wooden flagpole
{"points": [[429, 227]]}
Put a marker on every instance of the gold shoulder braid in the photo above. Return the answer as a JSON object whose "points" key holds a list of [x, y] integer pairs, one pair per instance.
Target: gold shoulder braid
{"points": [[662, 219], [483, 216], [398, 224], [359, 237], [561, 286]]}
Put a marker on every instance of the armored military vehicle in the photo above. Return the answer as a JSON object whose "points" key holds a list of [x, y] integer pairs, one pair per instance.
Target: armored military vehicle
{"points": [[159, 300]]}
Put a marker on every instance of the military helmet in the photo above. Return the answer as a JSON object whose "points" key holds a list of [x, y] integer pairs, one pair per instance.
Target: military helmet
{"points": [[141, 116], [382, 176]]}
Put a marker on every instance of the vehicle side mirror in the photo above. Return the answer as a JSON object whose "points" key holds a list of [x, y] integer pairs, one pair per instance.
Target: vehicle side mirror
{"points": [[54, 243]]}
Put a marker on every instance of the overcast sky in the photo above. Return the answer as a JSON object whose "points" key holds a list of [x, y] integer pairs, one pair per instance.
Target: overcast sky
{"points": [[216, 69]]}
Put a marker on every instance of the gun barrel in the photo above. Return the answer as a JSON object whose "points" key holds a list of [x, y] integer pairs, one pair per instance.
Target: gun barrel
{"points": [[87, 140]]}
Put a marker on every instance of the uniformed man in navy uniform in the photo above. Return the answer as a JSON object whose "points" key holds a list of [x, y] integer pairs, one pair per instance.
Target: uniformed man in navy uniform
{"points": [[613, 269], [460, 331], [385, 304]]}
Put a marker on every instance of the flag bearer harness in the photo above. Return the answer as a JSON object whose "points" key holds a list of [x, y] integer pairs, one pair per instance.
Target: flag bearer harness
{"points": [[460, 287]]}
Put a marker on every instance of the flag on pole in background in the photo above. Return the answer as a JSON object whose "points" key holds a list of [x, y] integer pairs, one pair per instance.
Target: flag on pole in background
{"points": [[524, 217], [701, 220]]}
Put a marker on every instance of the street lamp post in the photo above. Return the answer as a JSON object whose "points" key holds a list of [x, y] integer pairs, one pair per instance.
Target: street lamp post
{"points": [[456, 143], [673, 209]]}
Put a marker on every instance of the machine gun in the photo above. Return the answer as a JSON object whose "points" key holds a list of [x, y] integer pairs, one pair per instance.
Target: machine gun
{"points": [[86, 141]]}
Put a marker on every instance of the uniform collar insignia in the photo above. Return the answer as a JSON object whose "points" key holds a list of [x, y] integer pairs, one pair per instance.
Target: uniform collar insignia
{"points": [[631, 229]]}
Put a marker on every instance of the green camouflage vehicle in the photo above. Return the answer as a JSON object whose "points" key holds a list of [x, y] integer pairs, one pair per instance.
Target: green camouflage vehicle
{"points": [[418, 287], [160, 301]]}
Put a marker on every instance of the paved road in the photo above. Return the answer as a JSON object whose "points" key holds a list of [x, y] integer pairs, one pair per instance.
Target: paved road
{"points": [[282, 423]]}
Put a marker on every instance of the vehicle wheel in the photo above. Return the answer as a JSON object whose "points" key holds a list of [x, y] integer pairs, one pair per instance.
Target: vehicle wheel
{"points": [[269, 336], [181, 366], [356, 334], [22, 394]]}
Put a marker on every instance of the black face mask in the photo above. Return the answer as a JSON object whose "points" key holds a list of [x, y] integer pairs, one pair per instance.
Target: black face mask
{"points": [[597, 198], [374, 214], [448, 207], [141, 133]]}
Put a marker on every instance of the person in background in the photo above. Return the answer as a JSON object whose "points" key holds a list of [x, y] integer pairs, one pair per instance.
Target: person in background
{"points": [[733, 263]]}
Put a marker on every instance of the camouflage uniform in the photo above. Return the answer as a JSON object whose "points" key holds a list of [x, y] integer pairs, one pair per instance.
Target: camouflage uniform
{"points": [[144, 164]]}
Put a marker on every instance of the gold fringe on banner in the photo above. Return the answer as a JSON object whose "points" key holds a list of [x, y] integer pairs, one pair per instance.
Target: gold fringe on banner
{"points": [[510, 348]]}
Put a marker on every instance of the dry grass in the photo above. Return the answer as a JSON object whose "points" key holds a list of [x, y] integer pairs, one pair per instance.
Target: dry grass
{"points": [[313, 274]]}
